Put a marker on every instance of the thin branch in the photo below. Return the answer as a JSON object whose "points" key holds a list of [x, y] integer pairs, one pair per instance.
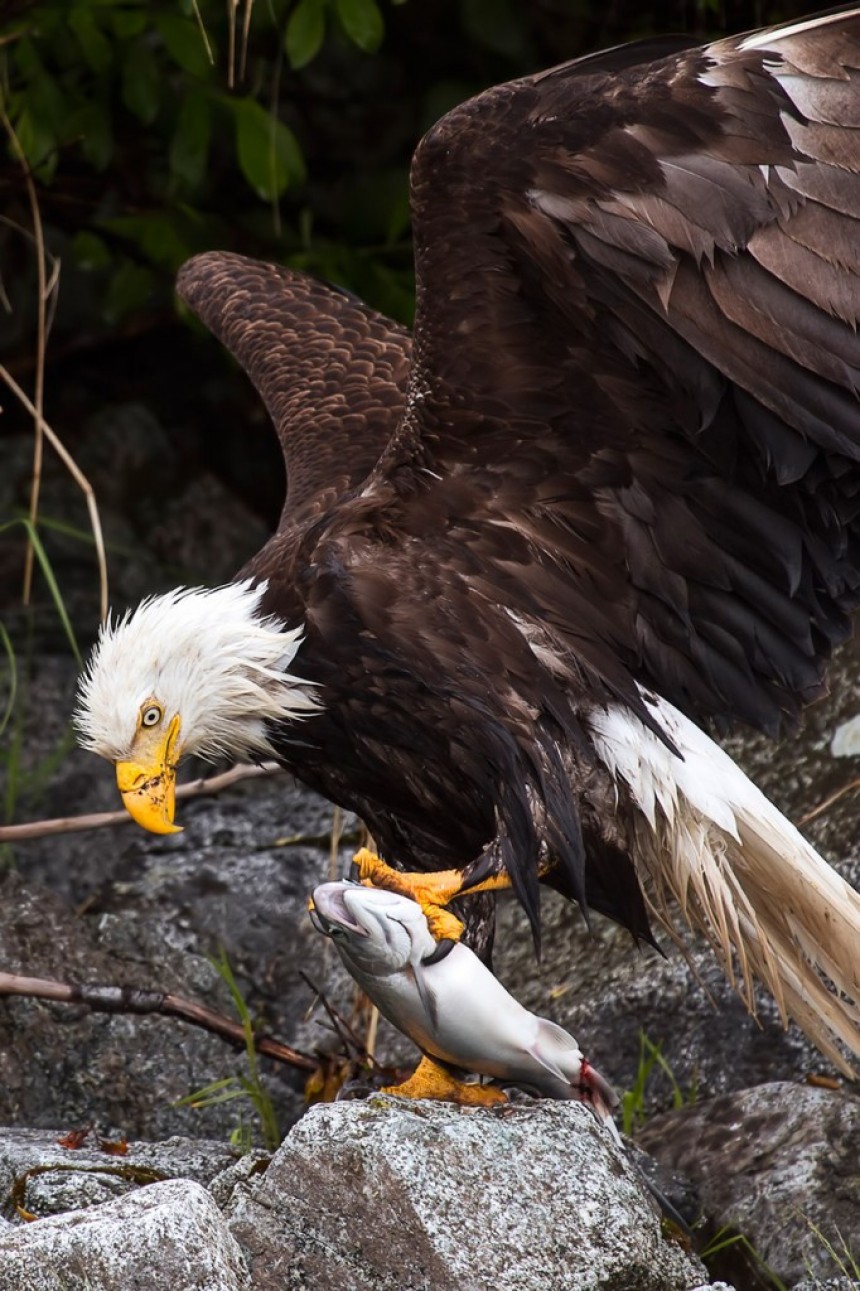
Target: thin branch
{"points": [[347, 1034], [233, 6], [828, 802], [128, 999], [79, 478], [203, 32], [372, 1031], [246, 32], [41, 345], [205, 786], [334, 842]]}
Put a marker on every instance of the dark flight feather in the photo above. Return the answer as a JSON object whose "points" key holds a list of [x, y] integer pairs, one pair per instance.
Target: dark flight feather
{"points": [[332, 373]]}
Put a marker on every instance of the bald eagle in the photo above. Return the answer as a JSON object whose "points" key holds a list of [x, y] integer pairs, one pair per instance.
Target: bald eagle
{"points": [[606, 496]]}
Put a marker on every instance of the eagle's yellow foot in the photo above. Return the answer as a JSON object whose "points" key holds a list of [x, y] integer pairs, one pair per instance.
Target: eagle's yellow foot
{"points": [[432, 891], [431, 1080]]}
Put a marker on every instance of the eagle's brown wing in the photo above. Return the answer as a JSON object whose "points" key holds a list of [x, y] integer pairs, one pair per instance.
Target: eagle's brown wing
{"points": [[634, 393], [332, 372]]}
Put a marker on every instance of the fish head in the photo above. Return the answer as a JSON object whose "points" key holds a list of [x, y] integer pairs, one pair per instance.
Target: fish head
{"points": [[376, 932]]}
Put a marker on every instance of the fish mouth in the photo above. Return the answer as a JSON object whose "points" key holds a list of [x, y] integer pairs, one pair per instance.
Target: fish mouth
{"points": [[329, 910]]}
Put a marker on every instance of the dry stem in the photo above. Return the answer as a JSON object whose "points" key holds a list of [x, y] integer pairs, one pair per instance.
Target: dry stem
{"points": [[127, 999], [41, 344], [201, 788], [79, 478], [828, 802]]}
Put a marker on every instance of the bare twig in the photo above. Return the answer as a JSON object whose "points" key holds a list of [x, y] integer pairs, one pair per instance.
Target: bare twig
{"points": [[233, 6], [334, 845], [203, 32], [347, 1035], [828, 802], [372, 1032], [204, 787], [79, 478], [246, 31], [41, 344], [128, 999]]}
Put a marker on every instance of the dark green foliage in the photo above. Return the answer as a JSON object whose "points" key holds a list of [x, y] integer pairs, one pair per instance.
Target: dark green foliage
{"points": [[157, 128]]}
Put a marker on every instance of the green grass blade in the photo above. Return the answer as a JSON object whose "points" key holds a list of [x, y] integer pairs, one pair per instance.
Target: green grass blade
{"points": [[53, 586], [13, 678], [252, 1084]]}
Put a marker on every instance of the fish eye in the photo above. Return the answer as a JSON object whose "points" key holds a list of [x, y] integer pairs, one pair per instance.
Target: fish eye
{"points": [[151, 715]]}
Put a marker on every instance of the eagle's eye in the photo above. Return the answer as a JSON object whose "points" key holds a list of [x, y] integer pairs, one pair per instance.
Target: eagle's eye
{"points": [[151, 715]]}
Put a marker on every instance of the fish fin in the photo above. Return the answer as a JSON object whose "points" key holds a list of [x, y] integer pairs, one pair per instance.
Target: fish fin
{"points": [[557, 1051], [425, 995]]}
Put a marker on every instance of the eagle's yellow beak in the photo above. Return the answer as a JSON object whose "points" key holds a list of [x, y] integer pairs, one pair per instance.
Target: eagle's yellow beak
{"points": [[148, 783]]}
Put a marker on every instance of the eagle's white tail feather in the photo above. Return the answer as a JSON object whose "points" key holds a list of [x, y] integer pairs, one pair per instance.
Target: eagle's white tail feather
{"points": [[741, 873]]}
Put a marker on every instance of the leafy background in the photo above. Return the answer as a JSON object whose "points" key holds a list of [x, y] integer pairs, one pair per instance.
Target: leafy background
{"points": [[157, 128]]}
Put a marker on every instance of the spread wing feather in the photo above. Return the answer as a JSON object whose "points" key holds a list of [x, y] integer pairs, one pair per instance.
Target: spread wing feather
{"points": [[332, 372], [638, 296]]}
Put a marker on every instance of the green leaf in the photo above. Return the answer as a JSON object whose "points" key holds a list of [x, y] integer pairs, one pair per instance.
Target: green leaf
{"points": [[94, 44], [129, 289], [38, 143], [48, 574], [42, 124], [141, 84], [43, 121], [91, 123], [27, 59], [159, 235], [499, 25], [184, 43], [189, 147], [305, 32], [362, 22], [269, 154], [13, 678], [89, 251], [128, 22]]}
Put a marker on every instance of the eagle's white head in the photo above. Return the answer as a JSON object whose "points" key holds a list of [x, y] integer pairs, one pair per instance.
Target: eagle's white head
{"points": [[194, 671]]}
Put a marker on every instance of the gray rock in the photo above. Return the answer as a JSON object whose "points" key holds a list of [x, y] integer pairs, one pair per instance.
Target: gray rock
{"points": [[248, 1166], [383, 1195], [831, 1284], [167, 1237], [781, 1164], [63, 1066], [44, 1178]]}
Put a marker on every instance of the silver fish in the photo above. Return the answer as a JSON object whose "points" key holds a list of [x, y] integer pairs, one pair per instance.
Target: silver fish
{"points": [[448, 1002]]}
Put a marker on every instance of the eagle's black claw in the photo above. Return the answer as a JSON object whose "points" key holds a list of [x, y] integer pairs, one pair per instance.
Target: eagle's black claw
{"points": [[443, 948]]}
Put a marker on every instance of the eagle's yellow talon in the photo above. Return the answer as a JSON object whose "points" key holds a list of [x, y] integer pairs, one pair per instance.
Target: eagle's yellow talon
{"points": [[443, 925], [370, 868], [431, 1080], [432, 891]]}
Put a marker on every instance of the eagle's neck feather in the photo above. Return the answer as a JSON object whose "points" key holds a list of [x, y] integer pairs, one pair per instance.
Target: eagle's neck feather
{"points": [[210, 655]]}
